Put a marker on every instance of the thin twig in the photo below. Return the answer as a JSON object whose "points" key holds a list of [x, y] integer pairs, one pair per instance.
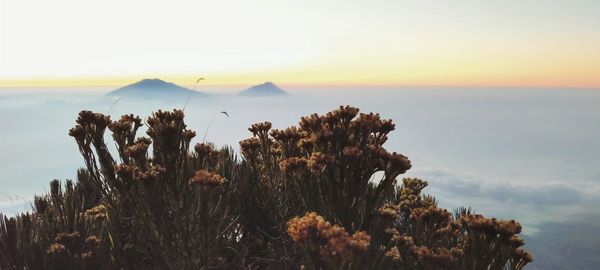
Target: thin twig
{"points": [[192, 92]]}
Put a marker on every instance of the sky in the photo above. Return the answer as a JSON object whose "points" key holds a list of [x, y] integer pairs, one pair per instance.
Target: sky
{"points": [[521, 43]]}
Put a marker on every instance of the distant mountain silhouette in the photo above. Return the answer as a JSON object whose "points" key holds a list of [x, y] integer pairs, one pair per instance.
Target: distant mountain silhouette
{"points": [[154, 89], [265, 89]]}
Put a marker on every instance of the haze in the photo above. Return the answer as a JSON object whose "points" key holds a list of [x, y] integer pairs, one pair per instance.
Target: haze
{"points": [[548, 43]]}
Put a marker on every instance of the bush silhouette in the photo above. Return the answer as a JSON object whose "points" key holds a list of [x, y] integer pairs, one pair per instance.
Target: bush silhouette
{"points": [[299, 198]]}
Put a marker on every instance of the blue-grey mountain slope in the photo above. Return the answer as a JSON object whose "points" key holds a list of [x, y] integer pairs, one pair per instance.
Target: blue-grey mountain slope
{"points": [[154, 89], [265, 89]]}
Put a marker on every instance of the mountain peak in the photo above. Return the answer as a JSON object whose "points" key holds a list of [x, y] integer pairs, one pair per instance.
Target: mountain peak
{"points": [[151, 83], [264, 89], [153, 89]]}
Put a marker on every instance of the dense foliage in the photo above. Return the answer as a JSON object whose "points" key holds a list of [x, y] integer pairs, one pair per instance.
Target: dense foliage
{"points": [[305, 197]]}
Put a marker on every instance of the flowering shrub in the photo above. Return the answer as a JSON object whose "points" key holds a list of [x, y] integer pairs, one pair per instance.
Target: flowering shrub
{"points": [[300, 198], [330, 243]]}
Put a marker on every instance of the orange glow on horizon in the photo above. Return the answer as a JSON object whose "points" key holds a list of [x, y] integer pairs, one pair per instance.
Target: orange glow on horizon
{"points": [[506, 43], [341, 80]]}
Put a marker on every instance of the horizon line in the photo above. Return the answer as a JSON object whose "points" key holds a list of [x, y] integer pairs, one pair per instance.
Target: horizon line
{"points": [[123, 81]]}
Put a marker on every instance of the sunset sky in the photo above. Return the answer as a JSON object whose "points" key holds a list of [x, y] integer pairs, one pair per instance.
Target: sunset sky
{"points": [[521, 43]]}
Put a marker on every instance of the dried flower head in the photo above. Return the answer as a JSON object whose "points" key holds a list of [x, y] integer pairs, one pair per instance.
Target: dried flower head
{"points": [[306, 144], [352, 152], [124, 129], [439, 256], [188, 135], [318, 161], [276, 150], [97, 120], [77, 132], [387, 126], [392, 231], [203, 149], [522, 254], [405, 241], [288, 134], [260, 129], [55, 248], [389, 211], [98, 212], [293, 164], [438, 216], [137, 150], [333, 242], [93, 241], [344, 114], [86, 255], [491, 227], [368, 123], [152, 174], [126, 172], [168, 127], [249, 146], [410, 193], [393, 254], [206, 179], [360, 241], [65, 237], [311, 123], [396, 164]]}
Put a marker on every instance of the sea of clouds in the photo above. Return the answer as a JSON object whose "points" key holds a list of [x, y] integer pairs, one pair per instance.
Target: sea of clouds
{"points": [[528, 154]]}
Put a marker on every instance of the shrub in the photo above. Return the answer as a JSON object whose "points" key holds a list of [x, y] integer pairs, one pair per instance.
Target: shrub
{"points": [[300, 198]]}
